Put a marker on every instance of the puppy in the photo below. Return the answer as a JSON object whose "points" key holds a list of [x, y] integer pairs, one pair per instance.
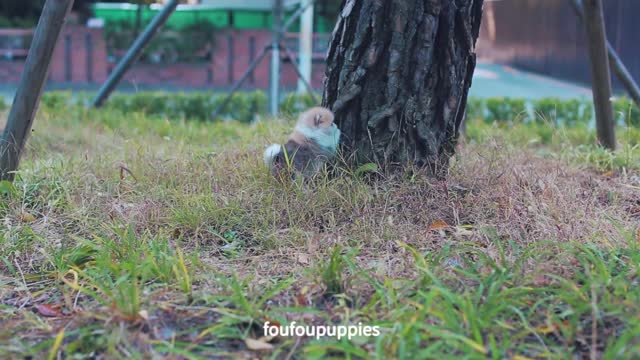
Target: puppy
{"points": [[313, 142]]}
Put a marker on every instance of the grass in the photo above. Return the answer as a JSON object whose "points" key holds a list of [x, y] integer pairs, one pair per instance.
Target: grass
{"points": [[128, 236]]}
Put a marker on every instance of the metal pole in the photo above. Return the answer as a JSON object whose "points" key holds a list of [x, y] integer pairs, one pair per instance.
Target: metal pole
{"points": [[274, 79], [255, 63], [618, 67], [295, 17], [601, 79], [305, 45], [32, 82], [132, 54]]}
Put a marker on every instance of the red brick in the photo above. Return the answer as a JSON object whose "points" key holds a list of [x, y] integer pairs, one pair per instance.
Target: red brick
{"points": [[218, 73]]}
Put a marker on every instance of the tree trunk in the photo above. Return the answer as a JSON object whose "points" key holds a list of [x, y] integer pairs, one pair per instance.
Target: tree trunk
{"points": [[397, 78]]}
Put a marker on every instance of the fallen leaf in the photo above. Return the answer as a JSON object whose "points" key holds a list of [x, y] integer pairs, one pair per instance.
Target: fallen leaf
{"points": [[273, 322], [608, 174], [26, 217], [49, 310], [144, 314], [301, 300], [438, 225], [257, 345]]}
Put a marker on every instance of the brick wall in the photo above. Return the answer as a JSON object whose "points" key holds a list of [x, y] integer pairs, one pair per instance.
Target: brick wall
{"points": [[235, 50], [80, 58], [180, 75], [10, 71]]}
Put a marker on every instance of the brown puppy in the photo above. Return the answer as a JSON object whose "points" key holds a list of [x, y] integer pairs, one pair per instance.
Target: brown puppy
{"points": [[313, 141]]}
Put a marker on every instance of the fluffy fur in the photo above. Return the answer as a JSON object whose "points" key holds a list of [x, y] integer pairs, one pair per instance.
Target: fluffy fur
{"points": [[313, 142]]}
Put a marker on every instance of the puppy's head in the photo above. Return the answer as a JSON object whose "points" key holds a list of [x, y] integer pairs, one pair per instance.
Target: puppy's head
{"points": [[316, 125], [317, 118]]}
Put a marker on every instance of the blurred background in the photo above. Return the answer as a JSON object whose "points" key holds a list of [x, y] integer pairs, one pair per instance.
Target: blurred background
{"points": [[527, 48]]}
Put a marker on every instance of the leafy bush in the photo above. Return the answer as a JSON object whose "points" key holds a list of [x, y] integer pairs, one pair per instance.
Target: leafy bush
{"points": [[626, 111], [245, 106], [475, 109], [562, 112], [631, 135], [506, 110], [201, 105], [56, 99], [3, 105], [294, 103], [20, 13]]}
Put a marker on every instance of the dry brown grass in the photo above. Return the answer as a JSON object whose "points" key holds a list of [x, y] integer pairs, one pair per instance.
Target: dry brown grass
{"points": [[216, 202]]}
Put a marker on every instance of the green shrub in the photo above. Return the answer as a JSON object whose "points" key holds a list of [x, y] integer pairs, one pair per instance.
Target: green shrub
{"points": [[506, 110], [3, 105], [56, 99], [626, 111], [294, 103], [245, 106], [475, 109], [5, 22], [630, 135], [242, 106], [545, 134], [580, 134], [20, 13], [562, 112], [196, 106]]}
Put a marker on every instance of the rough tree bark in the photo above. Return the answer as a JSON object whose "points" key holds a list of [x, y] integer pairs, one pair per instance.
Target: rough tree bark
{"points": [[397, 78]]}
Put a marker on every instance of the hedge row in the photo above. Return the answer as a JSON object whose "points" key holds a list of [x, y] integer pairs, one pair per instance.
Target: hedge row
{"points": [[245, 106], [568, 112]]}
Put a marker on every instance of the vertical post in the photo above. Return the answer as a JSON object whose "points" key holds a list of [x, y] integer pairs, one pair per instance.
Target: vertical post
{"points": [[596, 38], [230, 58], [256, 61], [138, 23], [132, 54], [618, 67], [88, 45], [274, 80], [32, 82], [252, 56], [68, 58], [305, 45]]}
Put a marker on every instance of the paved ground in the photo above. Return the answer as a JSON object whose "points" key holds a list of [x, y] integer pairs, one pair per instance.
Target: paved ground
{"points": [[500, 80], [489, 80]]}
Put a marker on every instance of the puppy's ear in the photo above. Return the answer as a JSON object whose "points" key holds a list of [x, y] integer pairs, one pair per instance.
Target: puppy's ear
{"points": [[317, 119]]}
